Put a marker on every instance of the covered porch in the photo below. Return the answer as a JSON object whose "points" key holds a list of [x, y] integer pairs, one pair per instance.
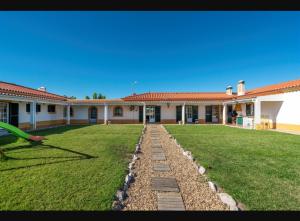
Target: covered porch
{"points": [[255, 113]]}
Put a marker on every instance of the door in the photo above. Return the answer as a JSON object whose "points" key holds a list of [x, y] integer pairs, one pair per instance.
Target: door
{"points": [[93, 115], [208, 114], [178, 113], [189, 114], [150, 114], [195, 113], [157, 114], [229, 112], [14, 114]]}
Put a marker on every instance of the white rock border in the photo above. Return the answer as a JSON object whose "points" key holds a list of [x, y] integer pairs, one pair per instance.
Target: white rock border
{"points": [[224, 197], [121, 194]]}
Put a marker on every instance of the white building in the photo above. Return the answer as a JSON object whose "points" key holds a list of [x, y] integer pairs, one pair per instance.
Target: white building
{"points": [[271, 107]]}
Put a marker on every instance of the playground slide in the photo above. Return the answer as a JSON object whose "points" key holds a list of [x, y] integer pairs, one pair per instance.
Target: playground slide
{"points": [[19, 133]]}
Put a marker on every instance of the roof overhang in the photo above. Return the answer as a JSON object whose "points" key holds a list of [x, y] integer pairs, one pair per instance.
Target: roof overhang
{"points": [[30, 99]]}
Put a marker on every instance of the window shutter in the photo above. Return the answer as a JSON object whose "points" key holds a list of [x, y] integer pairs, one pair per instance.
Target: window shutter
{"points": [[195, 113], [178, 113], [140, 113], [157, 114]]}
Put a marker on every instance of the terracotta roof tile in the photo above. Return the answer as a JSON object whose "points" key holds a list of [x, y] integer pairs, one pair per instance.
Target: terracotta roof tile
{"points": [[272, 89], [184, 96], [18, 90]]}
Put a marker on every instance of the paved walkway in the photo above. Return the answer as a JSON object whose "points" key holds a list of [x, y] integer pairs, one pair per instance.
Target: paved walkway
{"points": [[166, 180]]}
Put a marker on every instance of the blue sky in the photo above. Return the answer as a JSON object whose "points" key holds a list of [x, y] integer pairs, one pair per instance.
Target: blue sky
{"points": [[77, 53]]}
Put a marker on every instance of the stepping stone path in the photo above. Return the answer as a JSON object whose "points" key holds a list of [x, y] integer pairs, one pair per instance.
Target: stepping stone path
{"points": [[166, 179], [168, 192]]}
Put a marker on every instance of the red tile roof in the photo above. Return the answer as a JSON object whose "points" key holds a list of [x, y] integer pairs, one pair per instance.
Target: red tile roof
{"points": [[272, 89], [18, 90], [184, 96]]}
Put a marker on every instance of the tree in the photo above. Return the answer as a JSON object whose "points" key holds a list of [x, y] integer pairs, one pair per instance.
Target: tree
{"points": [[100, 96], [87, 97], [72, 97], [94, 95]]}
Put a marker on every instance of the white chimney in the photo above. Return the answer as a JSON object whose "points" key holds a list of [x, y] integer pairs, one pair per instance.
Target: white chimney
{"points": [[229, 90], [42, 88], [241, 88]]}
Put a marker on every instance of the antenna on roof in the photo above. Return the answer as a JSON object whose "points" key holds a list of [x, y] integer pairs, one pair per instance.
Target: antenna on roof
{"points": [[133, 85]]}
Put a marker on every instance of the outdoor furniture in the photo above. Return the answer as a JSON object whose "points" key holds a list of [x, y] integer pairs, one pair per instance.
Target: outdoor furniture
{"points": [[239, 121]]}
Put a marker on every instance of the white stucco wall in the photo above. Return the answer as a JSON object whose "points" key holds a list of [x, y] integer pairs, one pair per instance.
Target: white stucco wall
{"points": [[286, 112], [168, 113], [44, 115], [80, 112], [25, 117], [127, 114], [201, 112]]}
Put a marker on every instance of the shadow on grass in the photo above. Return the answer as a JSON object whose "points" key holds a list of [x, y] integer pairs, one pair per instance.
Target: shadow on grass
{"points": [[7, 139], [80, 155]]}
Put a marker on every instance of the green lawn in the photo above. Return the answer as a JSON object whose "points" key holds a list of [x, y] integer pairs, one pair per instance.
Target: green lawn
{"points": [[259, 168], [77, 168]]}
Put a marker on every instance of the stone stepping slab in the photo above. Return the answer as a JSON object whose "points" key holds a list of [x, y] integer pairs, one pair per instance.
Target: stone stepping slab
{"points": [[164, 184], [155, 134], [157, 145], [162, 167], [170, 201], [155, 138], [157, 150], [158, 156]]}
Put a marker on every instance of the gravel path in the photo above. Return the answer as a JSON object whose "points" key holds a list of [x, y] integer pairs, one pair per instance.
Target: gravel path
{"points": [[194, 189]]}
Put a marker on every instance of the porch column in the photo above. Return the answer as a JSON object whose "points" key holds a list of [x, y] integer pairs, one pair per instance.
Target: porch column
{"points": [[105, 113], [7, 113], [183, 114], [68, 114], [144, 114], [224, 113], [257, 114], [33, 115]]}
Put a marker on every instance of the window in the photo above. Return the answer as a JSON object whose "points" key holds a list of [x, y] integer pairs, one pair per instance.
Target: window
{"points": [[249, 110], [38, 108], [51, 108], [3, 112], [28, 107], [118, 112]]}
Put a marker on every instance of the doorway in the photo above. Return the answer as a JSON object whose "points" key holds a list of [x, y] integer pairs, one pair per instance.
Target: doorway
{"points": [[14, 114], [208, 114], [153, 114], [229, 113], [93, 115], [150, 114]]}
